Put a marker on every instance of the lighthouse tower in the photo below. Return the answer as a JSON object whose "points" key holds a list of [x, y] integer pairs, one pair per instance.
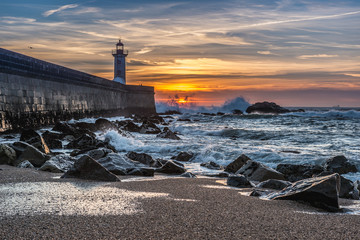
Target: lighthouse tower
{"points": [[119, 63]]}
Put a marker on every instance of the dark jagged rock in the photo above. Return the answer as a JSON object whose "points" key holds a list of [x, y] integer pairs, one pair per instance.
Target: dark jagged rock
{"points": [[167, 133], [142, 158], [239, 181], [183, 156], [86, 126], [28, 152], [260, 192], [31, 137], [321, 192], [98, 153], [220, 114], [170, 167], [293, 172], [274, 184], [66, 129], [148, 127], [87, 168], [266, 107], [339, 164], [7, 154], [212, 165], [104, 124], [237, 164], [348, 189], [171, 112], [53, 140], [130, 127], [255, 171], [146, 172], [58, 164], [84, 142], [184, 120]]}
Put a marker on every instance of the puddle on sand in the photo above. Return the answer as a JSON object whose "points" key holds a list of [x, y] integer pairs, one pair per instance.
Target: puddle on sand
{"points": [[69, 199]]}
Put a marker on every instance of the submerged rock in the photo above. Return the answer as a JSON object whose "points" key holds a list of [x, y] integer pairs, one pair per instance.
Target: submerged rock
{"points": [[321, 192], [293, 172], [87, 168], [7, 154], [167, 133], [266, 107], [255, 171], [183, 156], [237, 164], [339, 164], [239, 181]]}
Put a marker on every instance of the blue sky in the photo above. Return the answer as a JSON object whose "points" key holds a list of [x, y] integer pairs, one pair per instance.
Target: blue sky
{"points": [[294, 52]]}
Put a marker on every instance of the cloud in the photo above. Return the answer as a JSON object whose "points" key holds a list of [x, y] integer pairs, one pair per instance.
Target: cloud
{"points": [[144, 50], [51, 12], [16, 20], [264, 52], [316, 56]]}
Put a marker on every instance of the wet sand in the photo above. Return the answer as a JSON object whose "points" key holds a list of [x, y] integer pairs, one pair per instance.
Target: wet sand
{"points": [[39, 205]]}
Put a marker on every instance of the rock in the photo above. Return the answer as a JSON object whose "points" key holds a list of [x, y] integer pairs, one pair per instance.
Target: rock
{"points": [[255, 171], [25, 164], [84, 142], [86, 126], [149, 128], [98, 153], [167, 133], [237, 112], [274, 184], [142, 158], [212, 165], [30, 153], [339, 164], [171, 112], [53, 140], [188, 175], [118, 164], [220, 114], [237, 164], [184, 120], [170, 167], [65, 129], [104, 124], [348, 189], [87, 168], [146, 172], [131, 127], [183, 156], [266, 107], [295, 173], [321, 192], [260, 192], [7, 154], [239, 181], [33, 138], [58, 164]]}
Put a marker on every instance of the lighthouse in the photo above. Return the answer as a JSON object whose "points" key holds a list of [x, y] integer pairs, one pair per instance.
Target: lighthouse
{"points": [[120, 63]]}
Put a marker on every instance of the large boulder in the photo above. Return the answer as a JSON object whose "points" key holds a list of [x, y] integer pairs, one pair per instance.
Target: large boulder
{"points": [[7, 154], [84, 142], [28, 152], [58, 164], [237, 164], [293, 172], [319, 191], [266, 107], [66, 129], [130, 127], [104, 124], [148, 127], [31, 137], [87, 168], [167, 133], [142, 158], [274, 184], [339, 164], [98, 153], [170, 167], [183, 156], [53, 139], [239, 181], [255, 171]]}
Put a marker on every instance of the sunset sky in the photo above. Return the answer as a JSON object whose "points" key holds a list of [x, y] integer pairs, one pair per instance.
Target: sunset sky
{"points": [[293, 52]]}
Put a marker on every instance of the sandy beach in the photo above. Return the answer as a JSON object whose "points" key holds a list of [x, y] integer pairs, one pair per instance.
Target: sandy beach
{"points": [[157, 208]]}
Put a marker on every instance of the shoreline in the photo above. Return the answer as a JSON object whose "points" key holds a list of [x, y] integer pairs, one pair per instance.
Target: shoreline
{"points": [[167, 208]]}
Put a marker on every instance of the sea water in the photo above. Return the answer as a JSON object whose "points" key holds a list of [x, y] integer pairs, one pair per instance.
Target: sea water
{"points": [[309, 137]]}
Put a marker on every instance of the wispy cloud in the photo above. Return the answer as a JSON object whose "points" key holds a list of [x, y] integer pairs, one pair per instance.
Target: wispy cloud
{"points": [[62, 8], [316, 56], [264, 52], [16, 20]]}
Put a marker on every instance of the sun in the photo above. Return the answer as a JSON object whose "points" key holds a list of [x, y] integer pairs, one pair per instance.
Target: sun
{"points": [[182, 100]]}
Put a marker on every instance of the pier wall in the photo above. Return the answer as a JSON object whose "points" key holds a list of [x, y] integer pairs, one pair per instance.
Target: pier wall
{"points": [[35, 93]]}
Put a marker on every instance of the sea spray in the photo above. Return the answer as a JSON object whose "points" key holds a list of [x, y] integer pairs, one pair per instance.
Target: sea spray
{"points": [[122, 143]]}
